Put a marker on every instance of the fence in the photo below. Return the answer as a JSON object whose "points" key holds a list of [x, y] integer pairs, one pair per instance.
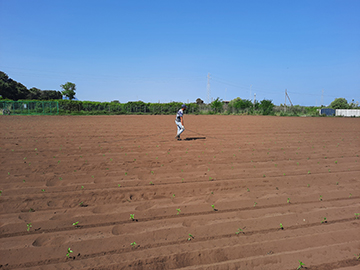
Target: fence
{"points": [[29, 107]]}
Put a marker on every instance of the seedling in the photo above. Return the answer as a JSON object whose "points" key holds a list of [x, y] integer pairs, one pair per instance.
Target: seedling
{"points": [[357, 256], [119, 185], [324, 220], [173, 195], [213, 207], [132, 217], [239, 231], [301, 264], [68, 252], [151, 183], [337, 183], [31, 210], [336, 162], [210, 179], [81, 203], [0, 192], [152, 172], [178, 210], [28, 226], [190, 237], [43, 190], [133, 244], [281, 226], [309, 172], [82, 187], [357, 215], [255, 203], [308, 185], [248, 190], [288, 200], [350, 195], [320, 198], [76, 224]]}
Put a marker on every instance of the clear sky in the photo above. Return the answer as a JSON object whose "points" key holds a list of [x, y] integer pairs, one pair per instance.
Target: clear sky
{"points": [[163, 50]]}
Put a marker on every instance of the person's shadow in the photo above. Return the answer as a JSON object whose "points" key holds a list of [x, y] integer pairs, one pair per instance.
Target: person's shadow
{"points": [[194, 138]]}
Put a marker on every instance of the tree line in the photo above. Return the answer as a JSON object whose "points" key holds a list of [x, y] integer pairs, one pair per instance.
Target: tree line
{"points": [[11, 89]]}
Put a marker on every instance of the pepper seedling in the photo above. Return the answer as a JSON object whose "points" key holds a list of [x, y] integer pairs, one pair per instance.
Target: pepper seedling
{"points": [[69, 251], [301, 264], [191, 237]]}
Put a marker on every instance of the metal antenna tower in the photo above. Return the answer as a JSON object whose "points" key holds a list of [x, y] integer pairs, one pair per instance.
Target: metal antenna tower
{"points": [[208, 88]]}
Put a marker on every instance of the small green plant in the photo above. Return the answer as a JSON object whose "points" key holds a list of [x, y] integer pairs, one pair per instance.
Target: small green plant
{"points": [[337, 183], [301, 264], [76, 224], [178, 211], [248, 190], [350, 195], [31, 210], [28, 226], [151, 183], [69, 251], [309, 172], [0, 192], [357, 256], [239, 231], [335, 161], [357, 215], [324, 220], [173, 195], [43, 190], [308, 185], [119, 185], [190, 237], [132, 217], [152, 172], [255, 203], [81, 203], [281, 226], [133, 244], [320, 198], [288, 200], [213, 207], [210, 179]]}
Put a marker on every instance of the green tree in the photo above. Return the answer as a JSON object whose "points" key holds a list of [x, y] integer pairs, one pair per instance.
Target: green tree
{"points": [[217, 105], [69, 90], [339, 103], [266, 106], [12, 89]]}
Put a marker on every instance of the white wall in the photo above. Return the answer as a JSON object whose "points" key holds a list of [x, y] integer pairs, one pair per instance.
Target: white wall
{"points": [[347, 113]]}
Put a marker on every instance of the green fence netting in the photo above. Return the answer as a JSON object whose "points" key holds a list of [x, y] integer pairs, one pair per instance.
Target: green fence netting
{"points": [[28, 107]]}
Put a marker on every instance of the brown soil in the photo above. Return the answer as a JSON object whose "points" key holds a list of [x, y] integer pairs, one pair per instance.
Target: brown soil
{"points": [[97, 170]]}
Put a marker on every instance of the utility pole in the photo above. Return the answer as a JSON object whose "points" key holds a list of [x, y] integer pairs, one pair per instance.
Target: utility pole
{"points": [[208, 88], [254, 100]]}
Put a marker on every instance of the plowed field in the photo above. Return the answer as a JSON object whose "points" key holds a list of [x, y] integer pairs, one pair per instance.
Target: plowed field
{"points": [[214, 200]]}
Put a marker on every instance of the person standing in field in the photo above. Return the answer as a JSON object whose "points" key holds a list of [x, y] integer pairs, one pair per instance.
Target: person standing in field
{"points": [[179, 121]]}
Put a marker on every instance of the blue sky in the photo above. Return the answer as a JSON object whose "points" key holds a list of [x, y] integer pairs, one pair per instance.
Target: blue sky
{"points": [[163, 50]]}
